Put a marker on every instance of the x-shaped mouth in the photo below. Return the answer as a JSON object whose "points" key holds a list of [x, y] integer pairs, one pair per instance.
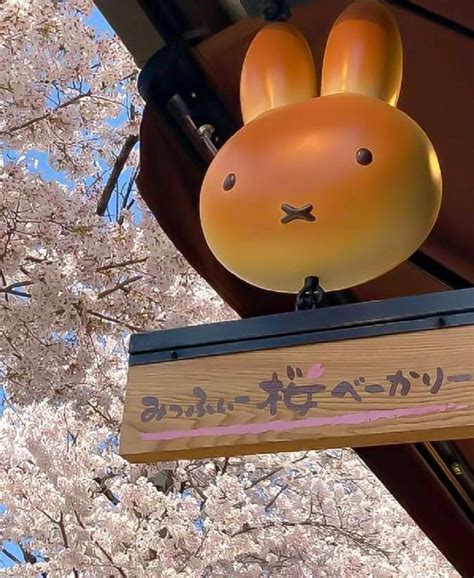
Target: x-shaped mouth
{"points": [[294, 213]]}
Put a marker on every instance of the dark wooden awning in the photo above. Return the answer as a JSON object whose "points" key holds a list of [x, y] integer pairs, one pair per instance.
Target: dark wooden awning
{"points": [[438, 92]]}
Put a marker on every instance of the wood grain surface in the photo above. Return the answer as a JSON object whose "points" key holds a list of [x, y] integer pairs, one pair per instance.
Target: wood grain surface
{"points": [[379, 390]]}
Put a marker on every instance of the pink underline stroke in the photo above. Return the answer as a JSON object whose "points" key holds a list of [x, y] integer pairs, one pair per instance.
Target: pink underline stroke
{"points": [[355, 418]]}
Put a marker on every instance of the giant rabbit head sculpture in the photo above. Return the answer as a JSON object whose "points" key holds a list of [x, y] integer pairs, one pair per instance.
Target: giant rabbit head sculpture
{"points": [[342, 186]]}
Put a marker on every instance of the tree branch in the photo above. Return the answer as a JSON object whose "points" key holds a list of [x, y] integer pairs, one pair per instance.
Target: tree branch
{"points": [[263, 478], [8, 288], [125, 204], [19, 294], [359, 540], [120, 285], [62, 529], [30, 557], [275, 497], [129, 187], [274, 471], [101, 482], [46, 114], [123, 264], [101, 548], [199, 548], [124, 153], [105, 417], [37, 260], [4, 282], [113, 320]]}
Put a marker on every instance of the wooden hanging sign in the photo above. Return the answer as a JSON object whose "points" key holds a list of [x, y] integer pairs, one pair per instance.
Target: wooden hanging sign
{"points": [[373, 373]]}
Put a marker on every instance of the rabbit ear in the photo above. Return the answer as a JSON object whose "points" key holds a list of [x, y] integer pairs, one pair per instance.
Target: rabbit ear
{"points": [[278, 69], [364, 53]]}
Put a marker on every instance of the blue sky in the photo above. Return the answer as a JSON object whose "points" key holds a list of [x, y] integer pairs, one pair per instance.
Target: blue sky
{"points": [[5, 561]]}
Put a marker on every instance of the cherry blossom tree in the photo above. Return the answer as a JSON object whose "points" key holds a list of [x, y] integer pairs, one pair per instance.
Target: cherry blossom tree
{"points": [[73, 285]]}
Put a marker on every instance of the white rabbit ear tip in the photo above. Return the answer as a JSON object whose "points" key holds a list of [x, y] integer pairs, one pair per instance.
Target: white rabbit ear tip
{"points": [[278, 69], [364, 53]]}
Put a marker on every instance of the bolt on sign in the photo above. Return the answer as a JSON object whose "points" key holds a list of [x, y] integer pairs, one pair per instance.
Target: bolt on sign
{"points": [[381, 372]]}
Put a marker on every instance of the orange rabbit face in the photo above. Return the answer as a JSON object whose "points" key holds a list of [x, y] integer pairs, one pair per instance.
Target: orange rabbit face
{"points": [[343, 187]]}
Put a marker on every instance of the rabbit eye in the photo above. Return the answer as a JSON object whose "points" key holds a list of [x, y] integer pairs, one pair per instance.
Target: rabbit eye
{"points": [[364, 156], [229, 182]]}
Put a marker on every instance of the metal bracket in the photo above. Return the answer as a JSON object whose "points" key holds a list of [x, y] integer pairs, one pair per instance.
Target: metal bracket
{"points": [[310, 295]]}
